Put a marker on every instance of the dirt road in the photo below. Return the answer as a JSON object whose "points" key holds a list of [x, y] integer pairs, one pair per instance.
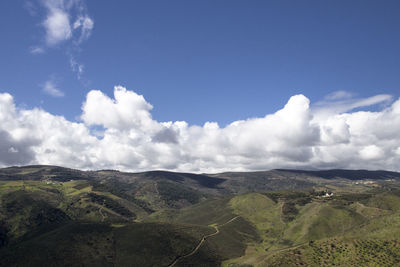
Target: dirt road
{"points": [[203, 239]]}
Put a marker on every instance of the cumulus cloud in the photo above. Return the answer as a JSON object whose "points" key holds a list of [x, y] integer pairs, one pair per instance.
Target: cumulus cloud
{"points": [[371, 152], [58, 21], [13, 148], [36, 136], [14, 152], [126, 111], [166, 135], [50, 88], [295, 136]]}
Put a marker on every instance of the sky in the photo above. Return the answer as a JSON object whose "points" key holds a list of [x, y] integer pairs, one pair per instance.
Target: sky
{"points": [[201, 86]]}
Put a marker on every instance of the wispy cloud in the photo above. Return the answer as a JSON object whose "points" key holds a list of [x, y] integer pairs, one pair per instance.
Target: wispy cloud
{"points": [[36, 50], [66, 24], [85, 24], [50, 88], [76, 67], [65, 20], [341, 102], [339, 95], [30, 7]]}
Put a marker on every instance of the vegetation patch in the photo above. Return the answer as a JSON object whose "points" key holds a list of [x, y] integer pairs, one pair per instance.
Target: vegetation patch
{"points": [[173, 193], [112, 205], [289, 211], [339, 252]]}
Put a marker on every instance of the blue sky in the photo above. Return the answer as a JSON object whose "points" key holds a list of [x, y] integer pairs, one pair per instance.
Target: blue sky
{"points": [[200, 85], [204, 61]]}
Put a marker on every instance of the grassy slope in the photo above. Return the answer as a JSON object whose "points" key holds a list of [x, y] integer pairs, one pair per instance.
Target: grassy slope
{"points": [[70, 245], [374, 242], [148, 244], [26, 205], [233, 238], [78, 244], [154, 244], [263, 213], [339, 252], [320, 220], [273, 233]]}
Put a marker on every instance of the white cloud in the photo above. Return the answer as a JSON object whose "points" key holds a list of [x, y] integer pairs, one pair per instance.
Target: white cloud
{"points": [[58, 25], [66, 22], [330, 106], [371, 152], [36, 50], [51, 89], [132, 140], [126, 111], [339, 95], [76, 67], [86, 24]]}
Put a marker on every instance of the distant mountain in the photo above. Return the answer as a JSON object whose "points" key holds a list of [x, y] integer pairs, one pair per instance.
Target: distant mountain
{"points": [[347, 174], [159, 189]]}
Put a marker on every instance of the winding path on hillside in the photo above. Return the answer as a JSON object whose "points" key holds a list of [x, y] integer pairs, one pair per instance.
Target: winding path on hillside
{"points": [[203, 239], [101, 213]]}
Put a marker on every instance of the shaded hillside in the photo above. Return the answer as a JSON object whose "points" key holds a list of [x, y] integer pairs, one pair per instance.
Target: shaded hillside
{"points": [[203, 180], [348, 174], [243, 182], [39, 172], [77, 244], [150, 190], [206, 184]]}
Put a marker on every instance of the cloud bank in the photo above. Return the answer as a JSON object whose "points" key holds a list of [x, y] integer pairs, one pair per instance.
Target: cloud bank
{"points": [[120, 133]]}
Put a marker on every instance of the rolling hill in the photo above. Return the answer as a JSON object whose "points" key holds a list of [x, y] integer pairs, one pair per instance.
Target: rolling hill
{"points": [[54, 216]]}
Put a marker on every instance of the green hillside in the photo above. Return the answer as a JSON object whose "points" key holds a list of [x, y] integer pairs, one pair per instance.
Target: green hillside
{"points": [[53, 216], [77, 244]]}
